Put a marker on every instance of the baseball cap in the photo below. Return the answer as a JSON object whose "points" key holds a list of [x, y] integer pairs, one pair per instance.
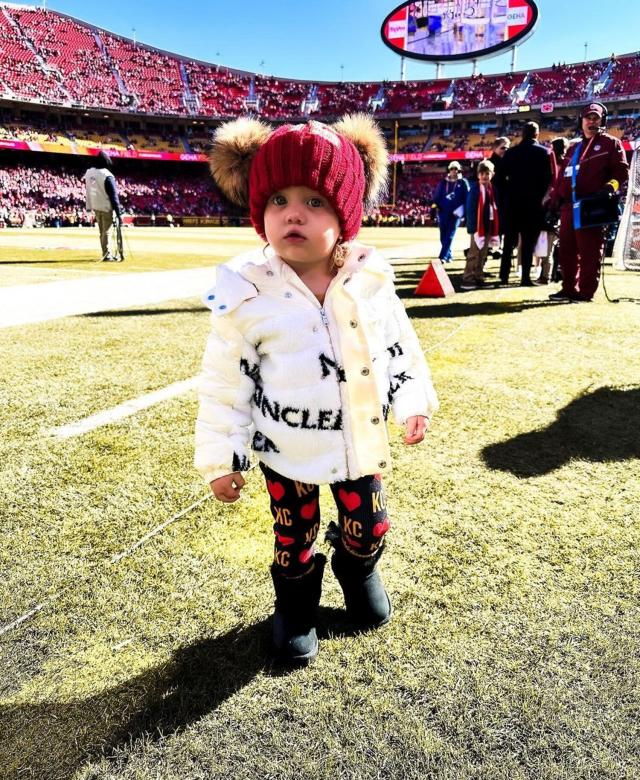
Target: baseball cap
{"points": [[593, 108]]}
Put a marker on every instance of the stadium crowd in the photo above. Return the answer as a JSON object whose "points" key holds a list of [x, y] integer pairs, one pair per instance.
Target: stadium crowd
{"points": [[54, 194], [55, 59]]}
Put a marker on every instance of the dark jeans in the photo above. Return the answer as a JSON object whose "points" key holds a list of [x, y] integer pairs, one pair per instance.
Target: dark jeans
{"points": [[362, 517], [528, 232], [448, 224]]}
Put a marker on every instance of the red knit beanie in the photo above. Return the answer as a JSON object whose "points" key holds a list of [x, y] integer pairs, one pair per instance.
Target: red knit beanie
{"points": [[315, 156]]}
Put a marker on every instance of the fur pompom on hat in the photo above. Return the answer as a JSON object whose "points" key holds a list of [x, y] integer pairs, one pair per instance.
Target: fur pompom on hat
{"points": [[346, 162]]}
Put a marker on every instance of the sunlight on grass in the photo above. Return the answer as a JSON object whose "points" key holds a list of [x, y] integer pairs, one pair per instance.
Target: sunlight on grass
{"points": [[512, 561]]}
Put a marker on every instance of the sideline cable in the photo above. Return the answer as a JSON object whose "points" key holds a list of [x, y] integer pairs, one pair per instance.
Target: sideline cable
{"points": [[110, 561], [615, 300]]}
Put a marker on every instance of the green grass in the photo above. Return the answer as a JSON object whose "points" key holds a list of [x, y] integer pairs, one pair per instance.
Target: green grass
{"points": [[512, 561], [53, 254]]}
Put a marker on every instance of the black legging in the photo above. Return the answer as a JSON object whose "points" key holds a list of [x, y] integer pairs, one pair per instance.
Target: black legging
{"points": [[362, 517]]}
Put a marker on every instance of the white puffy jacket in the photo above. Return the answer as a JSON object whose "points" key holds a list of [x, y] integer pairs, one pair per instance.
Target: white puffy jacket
{"points": [[307, 386]]}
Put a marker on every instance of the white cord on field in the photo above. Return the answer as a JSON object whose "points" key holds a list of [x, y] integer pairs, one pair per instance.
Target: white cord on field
{"points": [[451, 335], [114, 559], [18, 621], [155, 531]]}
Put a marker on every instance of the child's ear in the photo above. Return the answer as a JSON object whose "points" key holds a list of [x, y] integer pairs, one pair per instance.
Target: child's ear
{"points": [[365, 135], [235, 144]]}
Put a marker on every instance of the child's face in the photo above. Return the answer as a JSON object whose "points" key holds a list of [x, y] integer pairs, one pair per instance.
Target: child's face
{"points": [[301, 226], [484, 177]]}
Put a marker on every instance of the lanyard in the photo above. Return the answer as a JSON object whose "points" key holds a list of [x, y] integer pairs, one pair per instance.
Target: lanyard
{"points": [[575, 165]]}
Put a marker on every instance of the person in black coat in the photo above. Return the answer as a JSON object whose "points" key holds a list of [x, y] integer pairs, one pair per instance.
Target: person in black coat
{"points": [[527, 175], [498, 150]]}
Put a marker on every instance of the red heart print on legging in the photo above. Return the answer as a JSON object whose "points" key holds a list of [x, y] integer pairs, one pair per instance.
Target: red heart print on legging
{"points": [[276, 491], [285, 541], [350, 500], [380, 529], [306, 555], [308, 511]]}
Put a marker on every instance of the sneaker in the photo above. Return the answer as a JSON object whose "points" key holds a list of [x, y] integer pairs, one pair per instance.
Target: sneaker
{"points": [[540, 282], [560, 296], [575, 299], [469, 286]]}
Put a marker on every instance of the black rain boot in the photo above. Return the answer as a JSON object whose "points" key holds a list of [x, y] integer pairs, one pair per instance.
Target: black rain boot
{"points": [[365, 597], [294, 618]]}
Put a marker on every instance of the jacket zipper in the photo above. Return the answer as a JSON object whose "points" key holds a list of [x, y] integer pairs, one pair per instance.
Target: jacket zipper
{"points": [[325, 321]]}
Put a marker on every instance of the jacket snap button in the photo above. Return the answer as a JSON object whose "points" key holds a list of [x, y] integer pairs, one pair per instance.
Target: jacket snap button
{"points": [[288, 295], [375, 420], [353, 324], [222, 306], [361, 258], [315, 329], [334, 471], [365, 372], [382, 464], [269, 273], [211, 297]]}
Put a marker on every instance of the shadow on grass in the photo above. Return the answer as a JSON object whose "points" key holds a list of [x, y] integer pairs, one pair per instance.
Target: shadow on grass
{"points": [[601, 426], [144, 312], [425, 310], [52, 740], [88, 260]]}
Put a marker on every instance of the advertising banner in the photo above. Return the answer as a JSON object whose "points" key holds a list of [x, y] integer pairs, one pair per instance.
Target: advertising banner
{"points": [[69, 148], [438, 156], [438, 114]]}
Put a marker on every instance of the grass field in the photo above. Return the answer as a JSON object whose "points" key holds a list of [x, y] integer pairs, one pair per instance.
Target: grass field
{"points": [[513, 561]]}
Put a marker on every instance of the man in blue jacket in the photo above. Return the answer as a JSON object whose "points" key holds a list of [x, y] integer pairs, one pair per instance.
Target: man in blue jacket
{"points": [[450, 198]]}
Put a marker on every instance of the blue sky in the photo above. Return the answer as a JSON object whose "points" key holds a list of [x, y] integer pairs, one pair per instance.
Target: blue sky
{"points": [[312, 40]]}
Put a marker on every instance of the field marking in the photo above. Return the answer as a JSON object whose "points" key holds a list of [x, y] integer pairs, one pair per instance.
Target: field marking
{"points": [[43, 301], [30, 303], [125, 409]]}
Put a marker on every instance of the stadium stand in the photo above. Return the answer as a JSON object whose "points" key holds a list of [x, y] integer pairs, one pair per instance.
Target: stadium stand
{"points": [[56, 59], [53, 189], [69, 87]]}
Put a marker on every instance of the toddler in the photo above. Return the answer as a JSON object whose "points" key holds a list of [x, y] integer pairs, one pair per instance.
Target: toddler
{"points": [[309, 350]]}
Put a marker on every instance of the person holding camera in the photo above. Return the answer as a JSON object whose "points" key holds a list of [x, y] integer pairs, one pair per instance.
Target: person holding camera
{"points": [[102, 199], [591, 176]]}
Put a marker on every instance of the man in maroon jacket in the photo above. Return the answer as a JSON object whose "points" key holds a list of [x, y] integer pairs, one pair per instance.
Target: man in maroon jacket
{"points": [[601, 167]]}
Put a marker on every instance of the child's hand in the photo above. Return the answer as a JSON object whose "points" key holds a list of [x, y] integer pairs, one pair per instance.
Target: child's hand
{"points": [[415, 429], [227, 488]]}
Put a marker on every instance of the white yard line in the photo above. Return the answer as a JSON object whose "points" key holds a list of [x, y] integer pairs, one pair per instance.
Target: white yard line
{"points": [[125, 409], [29, 303]]}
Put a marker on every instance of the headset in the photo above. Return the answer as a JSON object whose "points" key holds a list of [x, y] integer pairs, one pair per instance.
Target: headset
{"points": [[605, 115]]}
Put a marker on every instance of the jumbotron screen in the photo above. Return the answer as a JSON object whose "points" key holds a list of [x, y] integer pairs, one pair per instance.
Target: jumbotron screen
{"points": [[442, 30]]}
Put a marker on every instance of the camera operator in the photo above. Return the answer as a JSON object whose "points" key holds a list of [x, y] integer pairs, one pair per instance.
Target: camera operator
{"points": [[597, 166], [102, 198]]}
